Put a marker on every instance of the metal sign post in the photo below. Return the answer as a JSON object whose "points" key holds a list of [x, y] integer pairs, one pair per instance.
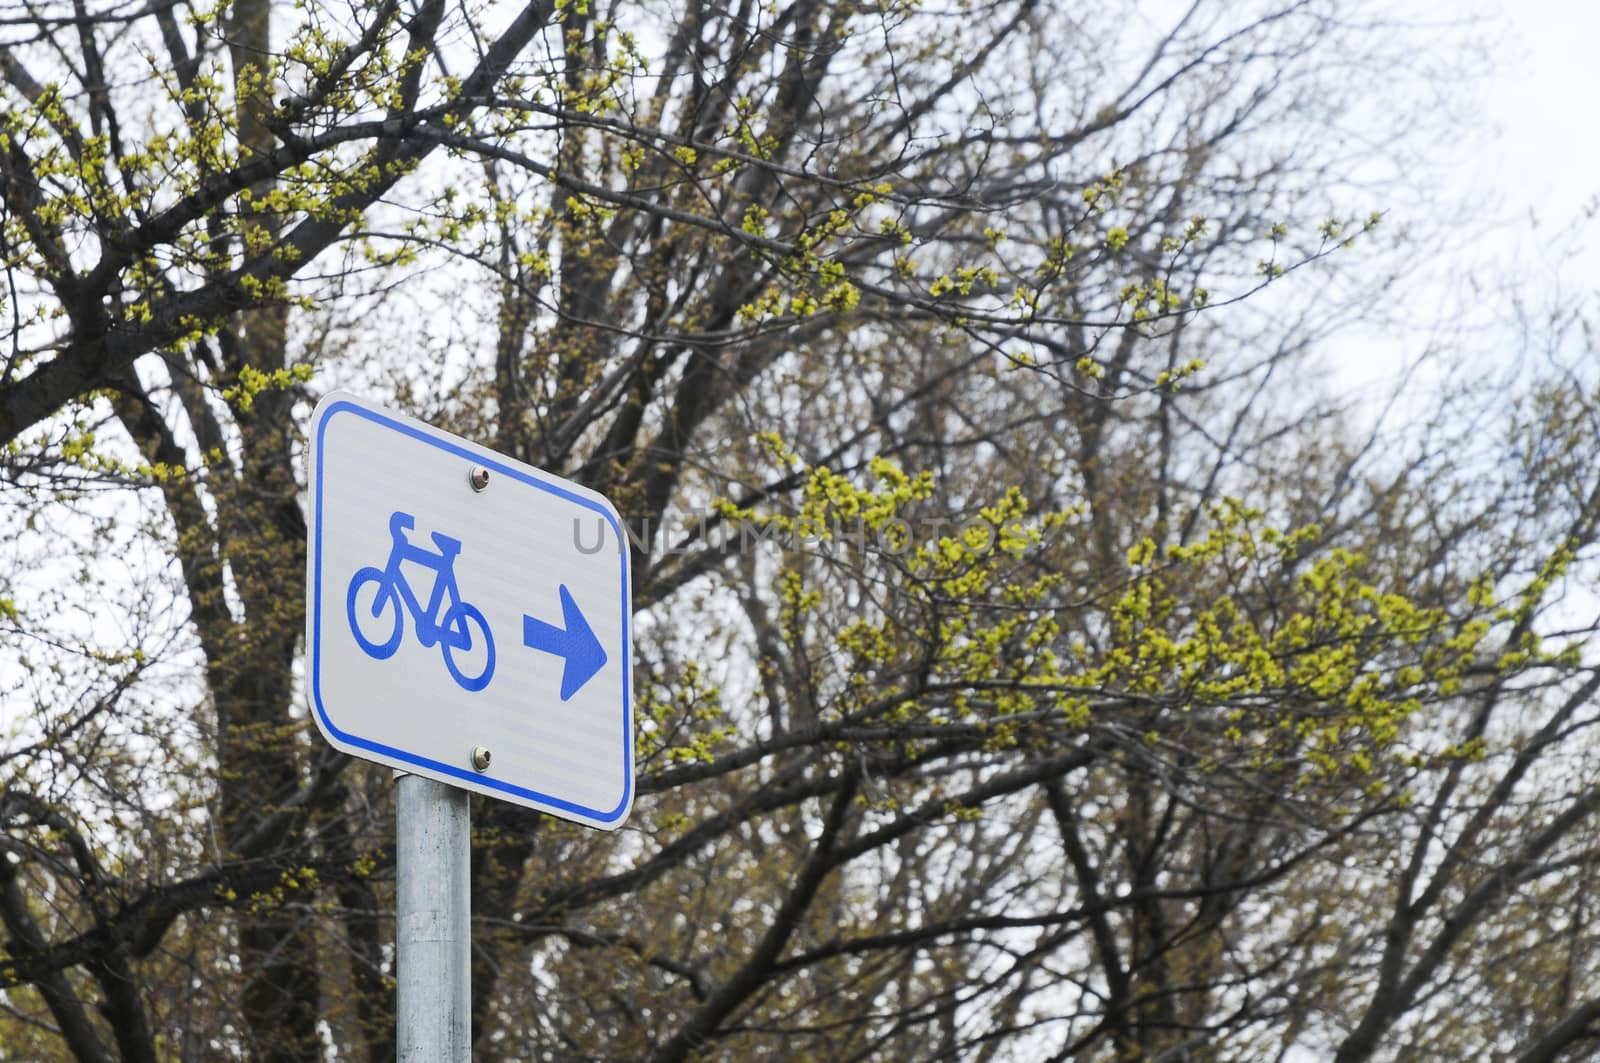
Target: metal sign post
{"points": [[459, 631], [433, 906]]}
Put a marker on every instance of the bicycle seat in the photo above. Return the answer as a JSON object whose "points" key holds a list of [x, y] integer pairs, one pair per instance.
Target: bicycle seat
{"points": [[447, 546]]}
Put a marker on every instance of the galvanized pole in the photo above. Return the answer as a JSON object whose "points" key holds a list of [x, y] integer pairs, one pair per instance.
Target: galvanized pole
{"points": [[434, 914]]}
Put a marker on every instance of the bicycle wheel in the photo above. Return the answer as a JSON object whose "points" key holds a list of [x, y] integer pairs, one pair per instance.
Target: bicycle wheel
{"points": [[385, 597], [459, 622]]}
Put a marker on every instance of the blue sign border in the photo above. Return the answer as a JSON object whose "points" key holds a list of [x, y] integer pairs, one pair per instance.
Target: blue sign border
{"points": [[495, 464]]}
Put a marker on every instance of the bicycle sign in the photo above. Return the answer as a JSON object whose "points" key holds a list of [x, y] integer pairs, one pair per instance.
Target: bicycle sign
{"points": [[457, 625], [448, 622]]}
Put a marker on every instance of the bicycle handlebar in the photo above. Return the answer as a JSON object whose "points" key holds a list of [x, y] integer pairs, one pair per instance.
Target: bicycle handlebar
{"points": [[400, 523]]}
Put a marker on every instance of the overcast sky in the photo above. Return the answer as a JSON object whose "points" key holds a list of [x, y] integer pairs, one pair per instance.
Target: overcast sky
{"points": [[1528, 171], [1542, 103]]}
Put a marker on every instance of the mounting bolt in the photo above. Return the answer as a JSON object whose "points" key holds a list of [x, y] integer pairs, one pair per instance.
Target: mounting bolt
{"points": [[480, 758], [479, 479]]}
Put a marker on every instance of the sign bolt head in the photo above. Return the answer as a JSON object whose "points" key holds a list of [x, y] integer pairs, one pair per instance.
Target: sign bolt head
{"points": [[480, 758], [478, 477]]}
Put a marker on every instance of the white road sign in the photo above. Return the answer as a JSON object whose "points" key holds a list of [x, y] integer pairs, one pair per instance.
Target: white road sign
{"points": [[467, 615]]}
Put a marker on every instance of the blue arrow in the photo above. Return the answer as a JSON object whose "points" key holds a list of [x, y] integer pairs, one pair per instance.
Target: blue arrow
{"points": [[577, 644]]}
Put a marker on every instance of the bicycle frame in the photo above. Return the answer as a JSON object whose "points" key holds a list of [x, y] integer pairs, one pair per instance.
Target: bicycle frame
{"points": [[429, 631]]}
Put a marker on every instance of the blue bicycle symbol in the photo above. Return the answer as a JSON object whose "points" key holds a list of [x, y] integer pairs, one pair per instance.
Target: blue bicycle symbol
{"points": [[447, 621]]}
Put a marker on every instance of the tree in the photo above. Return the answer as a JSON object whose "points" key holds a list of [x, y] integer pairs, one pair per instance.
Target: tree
{"points": [[1071, 698]]}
